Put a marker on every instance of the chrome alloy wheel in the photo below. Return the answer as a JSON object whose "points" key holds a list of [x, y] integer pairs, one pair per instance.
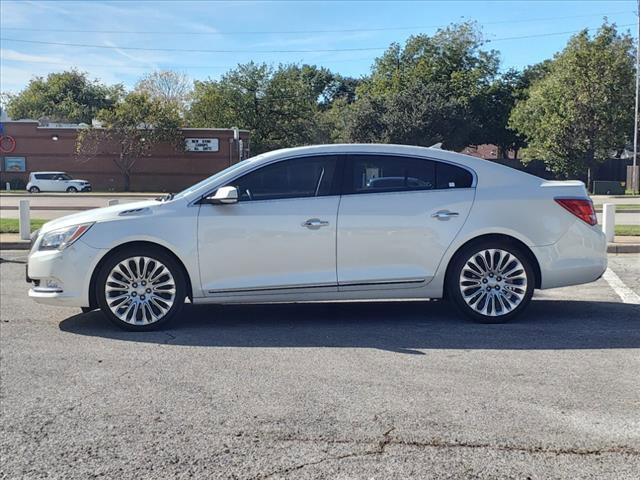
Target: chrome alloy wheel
{"points": [[493, 282], [140, 290]]}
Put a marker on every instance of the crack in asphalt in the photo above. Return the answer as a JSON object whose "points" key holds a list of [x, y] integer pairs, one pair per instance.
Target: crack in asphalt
{"points": [[387, 440], [436, 443], [378, 450]]}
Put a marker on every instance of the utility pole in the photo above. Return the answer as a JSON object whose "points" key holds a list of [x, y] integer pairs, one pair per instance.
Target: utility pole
{"points": [[634, 172]]}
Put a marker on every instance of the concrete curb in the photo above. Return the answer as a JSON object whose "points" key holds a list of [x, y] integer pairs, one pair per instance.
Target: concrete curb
{"points": [[15, 245], [623, 248], [611, 248]]}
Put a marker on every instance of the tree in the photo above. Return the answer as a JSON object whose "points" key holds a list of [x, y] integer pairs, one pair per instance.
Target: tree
{"points": [[166, 86], [493, 107], [426, 91], [63, 97], [278, 105], [130, 130], [580, 112]]}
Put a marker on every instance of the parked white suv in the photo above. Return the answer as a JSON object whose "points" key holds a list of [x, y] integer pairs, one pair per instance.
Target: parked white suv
{"points": [[56, 182], [312, 224]]}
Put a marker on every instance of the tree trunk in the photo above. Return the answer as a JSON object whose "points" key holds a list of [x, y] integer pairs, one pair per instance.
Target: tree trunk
{"points": [[127, 181]]}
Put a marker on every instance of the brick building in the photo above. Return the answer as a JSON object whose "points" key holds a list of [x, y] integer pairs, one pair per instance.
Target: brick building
{"points": [[28, 147]]}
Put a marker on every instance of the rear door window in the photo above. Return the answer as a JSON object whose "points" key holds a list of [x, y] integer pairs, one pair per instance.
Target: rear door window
{"points": [[44, 176], [388, 173]]}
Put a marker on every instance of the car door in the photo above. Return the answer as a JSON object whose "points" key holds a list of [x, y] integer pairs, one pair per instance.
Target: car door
{"points": [[280, 235], [397, 217], [46, 182], [58, 183]]}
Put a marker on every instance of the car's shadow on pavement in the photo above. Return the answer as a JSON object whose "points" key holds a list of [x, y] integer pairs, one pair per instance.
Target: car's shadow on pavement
{"points": [[406, 327]]}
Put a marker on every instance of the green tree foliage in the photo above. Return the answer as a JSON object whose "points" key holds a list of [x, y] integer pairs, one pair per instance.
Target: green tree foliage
{"points": [[130, 131], [63, 97], [580, 112], [426, 91], [281, 106]]}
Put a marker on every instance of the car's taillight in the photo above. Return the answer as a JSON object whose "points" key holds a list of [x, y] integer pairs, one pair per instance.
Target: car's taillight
{"points": [[581, 208]]}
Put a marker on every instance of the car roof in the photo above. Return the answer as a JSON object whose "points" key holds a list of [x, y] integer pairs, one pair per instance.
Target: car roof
{"points": [[474, 163], [48, 172]]}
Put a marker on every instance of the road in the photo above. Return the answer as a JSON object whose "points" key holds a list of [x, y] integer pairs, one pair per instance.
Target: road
{"points": [[340, 391], [50, 206]]}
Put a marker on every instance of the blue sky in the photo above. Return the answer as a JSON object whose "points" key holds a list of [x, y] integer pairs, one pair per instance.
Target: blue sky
{"points": [[306, 27]]}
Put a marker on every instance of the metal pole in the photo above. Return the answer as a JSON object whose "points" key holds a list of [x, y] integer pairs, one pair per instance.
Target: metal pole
{"points": [[635, 123], [24, 222], [609, 221]]}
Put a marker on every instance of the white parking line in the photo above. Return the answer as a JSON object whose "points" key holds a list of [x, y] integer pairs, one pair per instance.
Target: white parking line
{"points": [[625, 293]]}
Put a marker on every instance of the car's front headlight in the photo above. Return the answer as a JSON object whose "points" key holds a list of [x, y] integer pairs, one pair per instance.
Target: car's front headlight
{"points": [[63, 237]]}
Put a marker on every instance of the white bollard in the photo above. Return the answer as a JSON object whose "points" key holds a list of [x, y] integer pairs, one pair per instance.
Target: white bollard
{"points": [[7, 186], [113, 202], [609, 220], [25, 222]]}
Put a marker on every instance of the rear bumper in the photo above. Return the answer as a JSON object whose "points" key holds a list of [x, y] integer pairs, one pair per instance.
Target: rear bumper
{"points": [[580, 256]]}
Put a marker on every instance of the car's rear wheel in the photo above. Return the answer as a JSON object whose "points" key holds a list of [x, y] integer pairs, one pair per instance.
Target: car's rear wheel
{"points": [[491, 282], [34, 190], [141, 288], [72, 190]]}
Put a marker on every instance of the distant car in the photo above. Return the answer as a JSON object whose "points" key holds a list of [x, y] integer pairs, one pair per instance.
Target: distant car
{"points": [[328, 222], [56, 182]]}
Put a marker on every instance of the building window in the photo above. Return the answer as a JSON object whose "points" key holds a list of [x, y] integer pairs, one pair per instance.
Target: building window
{"points": [[15, 164]]}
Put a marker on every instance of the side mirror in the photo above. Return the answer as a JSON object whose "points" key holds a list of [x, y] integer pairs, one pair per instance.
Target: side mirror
{"points": [[223, 196]]}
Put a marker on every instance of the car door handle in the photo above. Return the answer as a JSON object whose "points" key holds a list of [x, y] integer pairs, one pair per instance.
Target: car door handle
{"points": [[315, 223], [444, 214]]}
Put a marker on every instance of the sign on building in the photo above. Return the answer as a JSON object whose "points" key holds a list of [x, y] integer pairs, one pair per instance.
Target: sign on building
{"points": [[201, 144]]}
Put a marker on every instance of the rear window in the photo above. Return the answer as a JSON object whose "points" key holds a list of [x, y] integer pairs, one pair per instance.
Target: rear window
{"points": [[44, 176]]}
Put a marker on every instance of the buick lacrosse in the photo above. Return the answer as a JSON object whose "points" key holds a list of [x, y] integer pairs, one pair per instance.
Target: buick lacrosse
{"points": [[329, 222]]}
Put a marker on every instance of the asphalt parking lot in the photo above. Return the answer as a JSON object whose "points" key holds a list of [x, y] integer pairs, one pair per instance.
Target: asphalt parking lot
{"points": [[341, 391]]}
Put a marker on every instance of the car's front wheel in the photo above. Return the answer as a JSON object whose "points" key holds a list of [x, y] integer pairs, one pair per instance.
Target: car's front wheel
{"points": [[34, 190], [72, 190], [141, 288], [491, 282]]}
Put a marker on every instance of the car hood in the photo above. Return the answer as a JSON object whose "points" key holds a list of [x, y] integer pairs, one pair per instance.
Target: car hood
{"points": [[103, 214]]}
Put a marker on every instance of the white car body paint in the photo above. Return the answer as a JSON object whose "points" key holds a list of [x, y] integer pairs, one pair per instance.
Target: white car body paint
{"points": [[381, 245]]}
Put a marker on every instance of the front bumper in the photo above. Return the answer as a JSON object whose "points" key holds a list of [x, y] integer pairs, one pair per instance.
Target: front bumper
{"points": [[62, 277]]}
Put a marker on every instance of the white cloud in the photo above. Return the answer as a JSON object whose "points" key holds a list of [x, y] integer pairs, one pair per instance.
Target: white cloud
{"points": [[6, 54]]}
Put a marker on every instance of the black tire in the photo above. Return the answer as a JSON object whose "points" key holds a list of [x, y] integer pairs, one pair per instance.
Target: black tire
{"points": [[34, 190], [154, 255], [72, 190], [87, 309], [509, 288]]}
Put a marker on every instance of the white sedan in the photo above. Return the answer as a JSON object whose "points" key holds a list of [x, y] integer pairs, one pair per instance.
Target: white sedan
{"points": [[327, 223]]}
